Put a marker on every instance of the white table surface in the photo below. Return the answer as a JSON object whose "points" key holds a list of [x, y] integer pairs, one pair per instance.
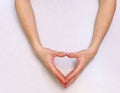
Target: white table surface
{"points": [[64, 25]]}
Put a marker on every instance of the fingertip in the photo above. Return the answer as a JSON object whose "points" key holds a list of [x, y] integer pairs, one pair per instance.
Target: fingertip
{"points": [[71, 81], [67, 84], [61, 54], [64, 86], [64, 54], [72, 55], [68, 54]]}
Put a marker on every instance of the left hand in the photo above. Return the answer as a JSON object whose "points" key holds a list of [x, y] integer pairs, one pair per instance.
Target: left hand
{"points": [[47, 56], [83, 58]]}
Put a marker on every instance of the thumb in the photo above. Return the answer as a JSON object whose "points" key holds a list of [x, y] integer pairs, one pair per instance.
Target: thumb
{"points": [[60, 54], [72, 55]]}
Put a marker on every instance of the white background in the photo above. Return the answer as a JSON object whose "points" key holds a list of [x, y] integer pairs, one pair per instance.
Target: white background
{"points": [[64, 25]]}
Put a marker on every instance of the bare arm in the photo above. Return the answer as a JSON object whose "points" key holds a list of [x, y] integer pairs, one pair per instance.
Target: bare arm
{"points": [[103, 20], [27, 20]]}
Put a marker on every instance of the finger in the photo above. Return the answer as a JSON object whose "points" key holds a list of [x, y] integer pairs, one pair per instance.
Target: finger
{"points": [[60, 54], [57, 73], [72, 55], [71, 81], [74, 73], [60, 81], [63, 84]]}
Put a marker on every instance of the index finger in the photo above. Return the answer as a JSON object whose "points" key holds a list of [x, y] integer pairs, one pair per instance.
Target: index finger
{"points": [[57, 73], [74, 73]]}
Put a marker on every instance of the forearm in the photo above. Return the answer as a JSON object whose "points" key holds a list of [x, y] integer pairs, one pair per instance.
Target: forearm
{"points": [[27, 20], [102, 23]]}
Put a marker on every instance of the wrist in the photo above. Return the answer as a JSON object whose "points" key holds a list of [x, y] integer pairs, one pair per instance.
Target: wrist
{"points": [[93, 49], [37, 47]]}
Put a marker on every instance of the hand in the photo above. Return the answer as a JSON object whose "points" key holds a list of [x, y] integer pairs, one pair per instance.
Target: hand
{"points": [[47, 56], [83, 58]]}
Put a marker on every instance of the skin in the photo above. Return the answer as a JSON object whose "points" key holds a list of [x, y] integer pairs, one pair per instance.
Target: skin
{"points": [[103, 20], [27, 20]]}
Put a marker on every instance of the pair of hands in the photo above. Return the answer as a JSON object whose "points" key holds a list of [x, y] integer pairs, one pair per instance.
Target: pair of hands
{"points": [[47, 56]]}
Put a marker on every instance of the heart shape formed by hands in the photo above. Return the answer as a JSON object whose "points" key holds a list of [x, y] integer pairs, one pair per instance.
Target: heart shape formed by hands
{"points": [[65, 64], [83, 57], [78, 68], [70, 61]]}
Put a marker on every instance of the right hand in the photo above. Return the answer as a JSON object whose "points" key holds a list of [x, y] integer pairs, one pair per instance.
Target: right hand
{"points": [[47, 56]]}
